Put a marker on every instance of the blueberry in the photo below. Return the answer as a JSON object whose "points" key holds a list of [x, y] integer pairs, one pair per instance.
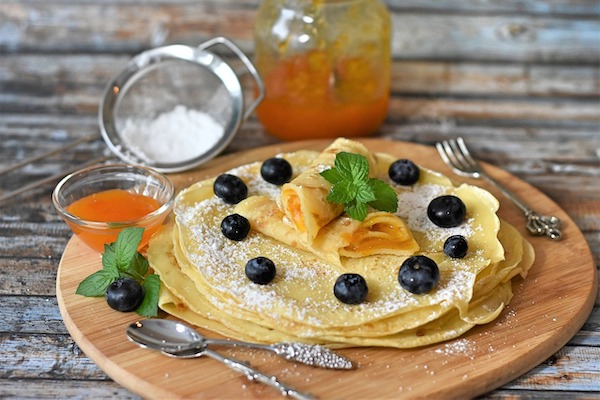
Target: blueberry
{"points": [[276, 170], [260, 270], [456, 246], [230, 188], [447, 211], [235, 227], [404, 172], [418, 274], [124, 294], [350, 289]]}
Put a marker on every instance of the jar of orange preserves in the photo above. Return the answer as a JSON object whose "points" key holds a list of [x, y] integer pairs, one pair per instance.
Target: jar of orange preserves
{"points": [[325, 65]]}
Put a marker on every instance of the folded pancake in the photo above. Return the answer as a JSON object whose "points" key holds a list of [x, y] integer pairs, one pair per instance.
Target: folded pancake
{"points": [[379, 233], [180, 297], [303, 199], [300, 298], [204, 281]]}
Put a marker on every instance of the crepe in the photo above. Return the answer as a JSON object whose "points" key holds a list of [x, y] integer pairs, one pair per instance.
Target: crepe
{"points": [[379, 233], [303, 200], [204, 283]]}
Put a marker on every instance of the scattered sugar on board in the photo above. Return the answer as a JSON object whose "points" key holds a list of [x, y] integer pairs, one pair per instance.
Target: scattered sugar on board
{"points": [[178, 135], [464, 347]]}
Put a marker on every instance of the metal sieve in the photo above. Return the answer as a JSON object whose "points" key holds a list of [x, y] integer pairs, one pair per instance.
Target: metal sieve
{"points": [[141, 107]]}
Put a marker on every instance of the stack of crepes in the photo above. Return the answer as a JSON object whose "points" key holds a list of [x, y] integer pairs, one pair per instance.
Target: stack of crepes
{"points": [[312, 242]]}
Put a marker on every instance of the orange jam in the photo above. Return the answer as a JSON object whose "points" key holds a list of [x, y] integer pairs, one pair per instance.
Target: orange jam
{"points": [[311, 96], [113, 206]]}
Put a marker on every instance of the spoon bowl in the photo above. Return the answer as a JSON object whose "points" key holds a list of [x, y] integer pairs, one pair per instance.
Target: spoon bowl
{"points": [[165, 335]]}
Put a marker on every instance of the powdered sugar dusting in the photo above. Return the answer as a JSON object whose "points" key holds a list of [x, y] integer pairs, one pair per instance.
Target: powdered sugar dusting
{"points": [[221, 263], [250, 174], [412, 207]]}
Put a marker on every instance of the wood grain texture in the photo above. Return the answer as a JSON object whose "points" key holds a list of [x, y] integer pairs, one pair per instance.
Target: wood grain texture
{"points": [[531, 108], [548, 309], [132, 26]]}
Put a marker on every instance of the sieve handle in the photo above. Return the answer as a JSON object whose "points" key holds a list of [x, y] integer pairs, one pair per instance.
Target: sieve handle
{"points": [[249, 66]]}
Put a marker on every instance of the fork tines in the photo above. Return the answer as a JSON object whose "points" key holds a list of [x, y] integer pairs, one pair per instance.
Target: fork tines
{"points": [[456, 155]]}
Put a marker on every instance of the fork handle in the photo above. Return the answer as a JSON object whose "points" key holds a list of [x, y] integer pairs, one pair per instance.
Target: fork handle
{"points": [[537, 224], [255, 375]]}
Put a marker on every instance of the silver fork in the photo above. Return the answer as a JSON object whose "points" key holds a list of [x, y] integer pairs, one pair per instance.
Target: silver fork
{"points": [[456, 155]]}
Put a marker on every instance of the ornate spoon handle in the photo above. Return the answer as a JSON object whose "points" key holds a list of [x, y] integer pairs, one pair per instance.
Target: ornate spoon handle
{"points": [[255, 375], [315, 355]]}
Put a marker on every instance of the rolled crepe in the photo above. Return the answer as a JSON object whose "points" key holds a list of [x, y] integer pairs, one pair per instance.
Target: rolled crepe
{"points": [[304, 199], [380, 233]]}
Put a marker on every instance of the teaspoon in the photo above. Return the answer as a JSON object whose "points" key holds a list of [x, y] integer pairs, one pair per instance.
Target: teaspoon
{"points": [[251, 374], [174, 337]]}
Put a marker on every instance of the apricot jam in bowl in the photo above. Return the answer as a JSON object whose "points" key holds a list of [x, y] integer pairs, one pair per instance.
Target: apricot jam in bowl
{"points": [[98, 202]]}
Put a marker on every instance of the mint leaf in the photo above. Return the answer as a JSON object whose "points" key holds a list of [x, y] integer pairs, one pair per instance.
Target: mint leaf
{"points": [[341, 193], [95, 285], [332, 176], [364, 193], [126, 247], [386, 197], [109, 258], [352, 187], [139, 265], [149, 306], [352, 167], [356, 210]]}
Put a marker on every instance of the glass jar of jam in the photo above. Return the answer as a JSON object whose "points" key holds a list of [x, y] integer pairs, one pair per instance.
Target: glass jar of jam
{"points": [[325, 65]]}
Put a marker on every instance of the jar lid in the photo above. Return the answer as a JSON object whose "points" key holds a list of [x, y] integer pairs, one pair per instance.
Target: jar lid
{"points": [[175, 107]]}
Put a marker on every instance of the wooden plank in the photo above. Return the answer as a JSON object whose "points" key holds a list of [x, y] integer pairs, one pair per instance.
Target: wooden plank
{"points": [[91, 27], [589, 335], [560, 7], [494, 79], [41, 389], [559, 368], [23, 132], [50, 75], [499, 111], [32, 315], [422, 91], [27, 277], [533, 394], [34, 246], [44, 357], [520, 7]]}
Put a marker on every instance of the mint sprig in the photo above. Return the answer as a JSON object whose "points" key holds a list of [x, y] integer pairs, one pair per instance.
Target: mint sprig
{"points": [[352, 187], [122, 260]]}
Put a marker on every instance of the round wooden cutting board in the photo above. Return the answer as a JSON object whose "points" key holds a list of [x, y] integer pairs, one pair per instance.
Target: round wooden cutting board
{"points": [[548, 308]]}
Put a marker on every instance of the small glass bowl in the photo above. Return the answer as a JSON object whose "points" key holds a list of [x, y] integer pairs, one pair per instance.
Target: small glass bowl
{"points": [[134, 179]]}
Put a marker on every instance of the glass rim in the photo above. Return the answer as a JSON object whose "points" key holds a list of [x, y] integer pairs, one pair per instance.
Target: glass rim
{"points": [[163, 179]]}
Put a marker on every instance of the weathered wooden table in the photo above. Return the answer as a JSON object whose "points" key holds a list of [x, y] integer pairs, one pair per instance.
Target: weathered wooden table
{"points": [[519, 80]]}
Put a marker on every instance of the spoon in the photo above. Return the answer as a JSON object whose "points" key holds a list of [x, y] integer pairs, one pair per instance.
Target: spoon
{"points": [[175, 338], [251, 374]]}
